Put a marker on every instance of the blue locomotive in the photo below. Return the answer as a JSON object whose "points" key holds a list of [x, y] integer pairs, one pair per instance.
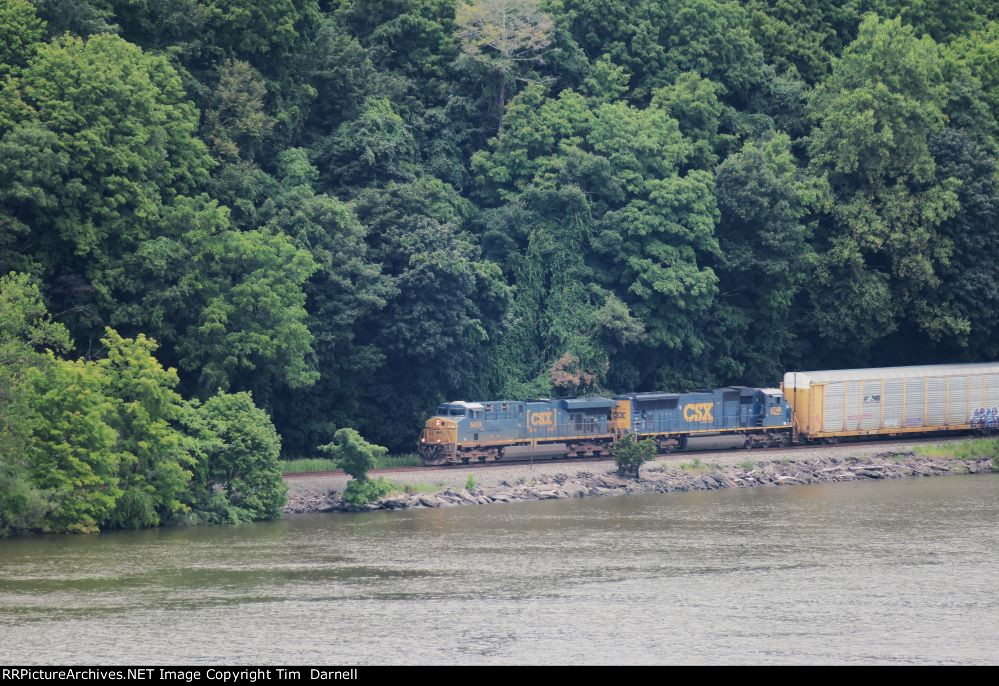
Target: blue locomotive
{"points": [[736, 416]]}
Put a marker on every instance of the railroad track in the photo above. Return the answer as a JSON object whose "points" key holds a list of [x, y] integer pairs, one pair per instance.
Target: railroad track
{"points": [[679, 455]]}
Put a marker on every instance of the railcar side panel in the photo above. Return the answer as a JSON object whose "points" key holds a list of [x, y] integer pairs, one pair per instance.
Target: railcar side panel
{"points": [[893, 400]]}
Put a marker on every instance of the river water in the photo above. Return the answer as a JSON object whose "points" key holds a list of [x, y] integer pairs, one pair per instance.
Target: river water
{"points": [[899, 572]]}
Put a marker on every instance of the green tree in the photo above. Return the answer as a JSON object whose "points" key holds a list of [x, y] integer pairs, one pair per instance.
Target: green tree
{"points": [[412, 49], [416, 39], [266, 29], [694, 103], [969, 288], [803, 36], [118, 121], [235, 120], [357, 457], [882, 249], [26, 330], [612, 215], [237, 477], [23, 506], [444, 312], [713, 38], [20, 32], [96, 140], [229, 303], [343, 74], [979, 52], [353, 454], [79, 17], [942, 19], [71, 449], [153, 454], [656, 40], [373, 147], [606, 81], [346, 292], [768, 215]]}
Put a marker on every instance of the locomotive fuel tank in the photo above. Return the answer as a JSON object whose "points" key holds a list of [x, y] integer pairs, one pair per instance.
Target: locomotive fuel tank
{"points": [[719, 442]]}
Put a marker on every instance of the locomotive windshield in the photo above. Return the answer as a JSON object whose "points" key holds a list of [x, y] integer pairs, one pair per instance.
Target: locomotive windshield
{"points": [[446, 411]]}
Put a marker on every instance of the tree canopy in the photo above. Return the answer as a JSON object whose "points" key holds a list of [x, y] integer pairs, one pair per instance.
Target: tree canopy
{"points": [[338, 215]]}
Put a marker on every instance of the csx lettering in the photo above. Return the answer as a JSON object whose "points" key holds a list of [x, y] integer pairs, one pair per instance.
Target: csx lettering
{"points": [[542, 418], [698, 412]]}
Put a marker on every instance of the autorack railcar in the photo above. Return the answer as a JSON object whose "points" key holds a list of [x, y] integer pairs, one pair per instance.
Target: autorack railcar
{"points": [[837, 404]]}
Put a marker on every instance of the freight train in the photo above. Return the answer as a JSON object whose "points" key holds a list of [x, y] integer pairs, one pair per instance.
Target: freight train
{"points": [[813, 406]]}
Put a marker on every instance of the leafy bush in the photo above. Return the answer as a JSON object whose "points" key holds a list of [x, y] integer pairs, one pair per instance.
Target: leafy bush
{"points": [[237, 477], [629, 454], [353, 454], [23, 507], [356, 456], [363, 491]]}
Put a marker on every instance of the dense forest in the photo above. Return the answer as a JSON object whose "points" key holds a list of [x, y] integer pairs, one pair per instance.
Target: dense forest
{"points": [[338, 214]]}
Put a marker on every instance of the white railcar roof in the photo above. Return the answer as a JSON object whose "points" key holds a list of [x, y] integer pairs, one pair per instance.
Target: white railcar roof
{"points": [[806, 378], [467, 405]]}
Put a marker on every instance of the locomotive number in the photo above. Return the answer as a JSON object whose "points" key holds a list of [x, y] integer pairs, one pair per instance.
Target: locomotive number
{"points": [[698, 412], [542, 418], [777, 409]]}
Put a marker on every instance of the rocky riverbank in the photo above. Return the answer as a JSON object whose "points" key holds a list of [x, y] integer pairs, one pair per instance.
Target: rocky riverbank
{"points": [[654, 478]]}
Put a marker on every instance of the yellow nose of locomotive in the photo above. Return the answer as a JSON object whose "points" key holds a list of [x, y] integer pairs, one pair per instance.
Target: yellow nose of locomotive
{"points": [[438, 440], [439, 430]]}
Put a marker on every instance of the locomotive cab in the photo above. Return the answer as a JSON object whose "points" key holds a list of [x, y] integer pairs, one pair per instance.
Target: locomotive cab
{"points": [[439, 439], [776, 409]]}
